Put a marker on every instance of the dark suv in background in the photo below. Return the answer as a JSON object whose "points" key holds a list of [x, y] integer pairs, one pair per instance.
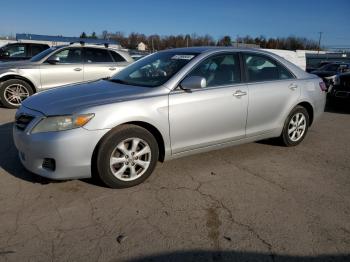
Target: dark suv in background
{"points": [[20, 51], [327, 71], [340, 88]]}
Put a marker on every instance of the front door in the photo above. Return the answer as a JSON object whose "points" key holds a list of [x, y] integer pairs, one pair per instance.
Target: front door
{"points": [[68, 70], [211, 115]]}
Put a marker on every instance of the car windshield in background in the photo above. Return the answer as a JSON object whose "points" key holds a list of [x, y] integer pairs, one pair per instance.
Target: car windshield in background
{"points": [[14, 50], [153, 70], [41, 55]]}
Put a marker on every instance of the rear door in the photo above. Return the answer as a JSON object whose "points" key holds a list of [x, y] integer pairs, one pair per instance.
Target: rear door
{"points": [[98, 63], [119, 61], [67, 71], [273, 90]]}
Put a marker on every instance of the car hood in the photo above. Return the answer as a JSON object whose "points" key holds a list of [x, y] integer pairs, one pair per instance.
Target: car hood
{"points": [[70, 99]]}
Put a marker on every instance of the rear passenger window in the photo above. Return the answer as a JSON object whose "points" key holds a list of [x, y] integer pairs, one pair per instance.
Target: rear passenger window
{"points": [[94, 55], [219, 70], [260, 68], [117, 57]]}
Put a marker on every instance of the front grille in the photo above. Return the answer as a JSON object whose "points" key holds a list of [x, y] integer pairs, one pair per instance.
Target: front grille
{"points": [[49, 163], [23, 121]]}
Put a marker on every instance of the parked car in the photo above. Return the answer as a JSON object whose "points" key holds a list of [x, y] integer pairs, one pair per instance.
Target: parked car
{"points": [[58, 66], [340, 87], [170, 104], [327, 71], [21, 51], [137, 57], [314, 67]]}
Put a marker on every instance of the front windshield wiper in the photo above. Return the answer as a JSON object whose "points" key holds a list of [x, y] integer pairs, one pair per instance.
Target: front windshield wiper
{"points": [[119, 81]]}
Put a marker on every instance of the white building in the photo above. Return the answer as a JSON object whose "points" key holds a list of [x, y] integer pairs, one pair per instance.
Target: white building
{"points": [[142, 46]]}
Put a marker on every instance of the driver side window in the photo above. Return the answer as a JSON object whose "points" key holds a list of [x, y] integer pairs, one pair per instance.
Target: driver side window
{"points": [[69, 56], [219, 70]]}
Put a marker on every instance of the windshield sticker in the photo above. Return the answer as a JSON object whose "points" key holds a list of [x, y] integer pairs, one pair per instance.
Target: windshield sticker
{"points": [[183, 57]]}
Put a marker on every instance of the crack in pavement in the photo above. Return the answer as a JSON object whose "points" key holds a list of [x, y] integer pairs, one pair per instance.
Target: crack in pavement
{"points": [[249, 228]]}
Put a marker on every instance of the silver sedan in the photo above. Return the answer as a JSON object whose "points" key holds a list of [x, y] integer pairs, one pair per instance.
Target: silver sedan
{"points": [[170, 104], [58, 66]]}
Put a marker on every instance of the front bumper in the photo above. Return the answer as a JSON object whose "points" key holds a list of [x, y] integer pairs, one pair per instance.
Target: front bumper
{"points": [[71, 150]]}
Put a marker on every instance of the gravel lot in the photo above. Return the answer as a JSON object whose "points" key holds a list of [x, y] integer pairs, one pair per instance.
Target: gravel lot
{"points": [[255, 202]]}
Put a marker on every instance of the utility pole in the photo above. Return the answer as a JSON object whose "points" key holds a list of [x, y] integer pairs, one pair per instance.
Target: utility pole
{"points": [[152, 45], [319, 41]]}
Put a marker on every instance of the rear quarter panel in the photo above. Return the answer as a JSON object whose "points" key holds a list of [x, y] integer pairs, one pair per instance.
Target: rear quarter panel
{"points": [[312, 93]]}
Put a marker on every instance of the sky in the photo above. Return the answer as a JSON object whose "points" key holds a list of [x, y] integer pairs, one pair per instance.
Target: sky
{"points": [[270, 18]]}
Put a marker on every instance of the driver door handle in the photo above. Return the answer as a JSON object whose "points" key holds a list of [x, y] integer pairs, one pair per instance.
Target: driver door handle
{"points": [[77, 69], [239, 93], [293, 86], [112, 68]]}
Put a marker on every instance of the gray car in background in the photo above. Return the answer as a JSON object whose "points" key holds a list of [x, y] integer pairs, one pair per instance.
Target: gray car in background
{"points": [[170, 104], [58, 66]]}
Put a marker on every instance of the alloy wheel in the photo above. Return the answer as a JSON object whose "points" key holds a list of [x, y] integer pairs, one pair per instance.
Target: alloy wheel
{"points": [[296, 127], [15, 94], [130, 159]]}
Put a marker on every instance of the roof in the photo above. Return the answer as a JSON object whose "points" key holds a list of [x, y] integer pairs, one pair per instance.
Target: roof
{"points": [[62, 39], [204, 49]]}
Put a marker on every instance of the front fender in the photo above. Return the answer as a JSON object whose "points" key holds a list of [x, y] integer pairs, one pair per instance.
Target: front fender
{"points": [[15, 74], [152, 111]]}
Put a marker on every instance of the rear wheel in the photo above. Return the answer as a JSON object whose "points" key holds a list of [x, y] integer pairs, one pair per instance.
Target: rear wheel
{"points": [[295, 127], [13, 92], [127, 156]]}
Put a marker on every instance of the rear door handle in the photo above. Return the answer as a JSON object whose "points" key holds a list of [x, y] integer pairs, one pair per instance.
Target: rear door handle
{"points": [[239, 93], [293, 86], [77, 69], [112, 68]]}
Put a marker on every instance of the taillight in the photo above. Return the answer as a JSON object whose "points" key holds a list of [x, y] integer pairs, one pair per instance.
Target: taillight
{"points": [[323, 86]]}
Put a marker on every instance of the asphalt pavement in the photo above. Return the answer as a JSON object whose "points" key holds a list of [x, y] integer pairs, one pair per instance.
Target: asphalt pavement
{"points": [[254, 202]]}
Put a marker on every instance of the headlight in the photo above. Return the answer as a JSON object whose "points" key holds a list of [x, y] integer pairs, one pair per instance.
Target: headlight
{"points": [[336, 80], [60, 123]]}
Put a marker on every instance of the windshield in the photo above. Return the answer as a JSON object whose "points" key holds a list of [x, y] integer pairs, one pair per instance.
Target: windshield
{"points": [[154, 70], [41, 55]]}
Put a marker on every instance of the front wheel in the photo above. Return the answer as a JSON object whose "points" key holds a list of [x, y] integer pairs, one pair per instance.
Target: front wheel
{"points": [[295, 127], [13, 92], [127, 156]]}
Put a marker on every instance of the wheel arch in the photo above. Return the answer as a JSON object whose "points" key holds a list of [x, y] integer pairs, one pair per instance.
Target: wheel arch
{"points": [[155, 132], [310, 110], [149, 127], [11, 76]]}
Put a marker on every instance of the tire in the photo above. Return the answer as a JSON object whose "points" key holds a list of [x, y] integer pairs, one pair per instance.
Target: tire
{"points": [[13, 92], [293, 138], [119, 165]]}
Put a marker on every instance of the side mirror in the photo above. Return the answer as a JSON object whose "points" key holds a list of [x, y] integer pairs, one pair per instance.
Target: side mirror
{"points": [[193, 82], [53, 60]]}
